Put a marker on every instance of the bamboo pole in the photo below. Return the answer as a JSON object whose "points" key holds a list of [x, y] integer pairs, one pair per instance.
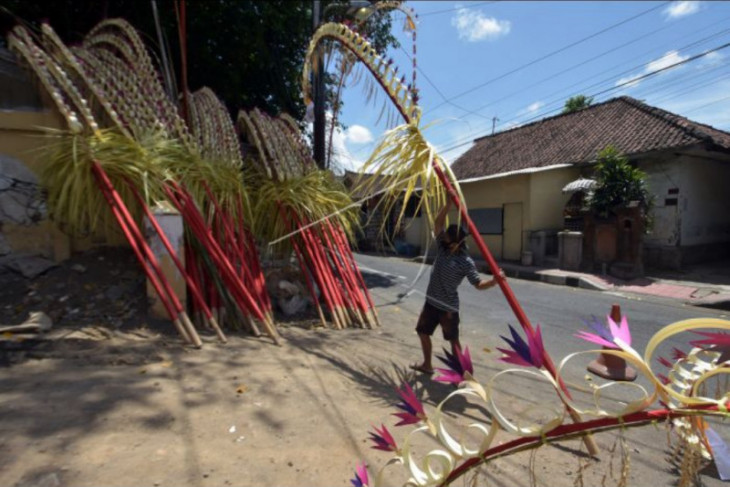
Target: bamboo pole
{"points": [[321, 260], [358, 274], [195, 291], [228, 273], [303, 269], [320, 275], [146, 266], [356, 299]]}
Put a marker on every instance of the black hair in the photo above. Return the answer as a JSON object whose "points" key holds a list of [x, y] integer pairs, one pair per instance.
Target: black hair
{"points": [[457, 234]]}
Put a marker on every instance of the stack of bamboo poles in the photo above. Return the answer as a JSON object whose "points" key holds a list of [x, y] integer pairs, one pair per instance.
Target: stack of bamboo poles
{"points": [[130, 149], [314, 217]]}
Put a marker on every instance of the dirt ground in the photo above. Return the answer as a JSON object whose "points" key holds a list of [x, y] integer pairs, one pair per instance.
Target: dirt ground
{"points": [[111, 398]]}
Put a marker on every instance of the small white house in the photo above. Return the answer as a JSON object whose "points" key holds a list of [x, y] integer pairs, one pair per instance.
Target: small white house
{"points": [[513, 180]]}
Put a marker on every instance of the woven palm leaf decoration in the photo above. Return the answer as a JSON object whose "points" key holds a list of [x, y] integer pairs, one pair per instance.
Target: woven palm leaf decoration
{"points": [[305, 209], [463, 447], [128, 146], [403, 155]]}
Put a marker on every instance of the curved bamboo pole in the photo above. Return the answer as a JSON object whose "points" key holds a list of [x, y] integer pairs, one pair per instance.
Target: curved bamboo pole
{"points": [[409, 110]]}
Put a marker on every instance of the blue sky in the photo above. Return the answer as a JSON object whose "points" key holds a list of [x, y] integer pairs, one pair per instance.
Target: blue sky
{"points": [[520, 61]]}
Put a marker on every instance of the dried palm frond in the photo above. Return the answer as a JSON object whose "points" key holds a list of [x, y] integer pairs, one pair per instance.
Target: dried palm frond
{"points": [[49, 73], [289, 178], [315, 197], [118, 45], [405, 160], [202, 178], [74, 200], [382, 69]]}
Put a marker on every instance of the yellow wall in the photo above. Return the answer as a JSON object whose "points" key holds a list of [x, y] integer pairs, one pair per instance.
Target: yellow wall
{"points": [[494, 193], [21, 133], [540, 194], [547, 199]]}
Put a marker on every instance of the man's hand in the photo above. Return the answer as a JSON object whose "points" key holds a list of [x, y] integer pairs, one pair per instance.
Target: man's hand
{"points": [[491, 283]]}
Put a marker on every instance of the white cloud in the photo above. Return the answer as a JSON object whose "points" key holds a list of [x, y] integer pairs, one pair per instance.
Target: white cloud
{"points": [[713, 59], [342, 159], [357, 134], [473, 26], [535, 106], [630, 81], [531, 109], [681, 8], [670, 58]]}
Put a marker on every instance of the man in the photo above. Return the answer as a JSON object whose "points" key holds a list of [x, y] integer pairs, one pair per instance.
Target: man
{"points": [[452, 264]]}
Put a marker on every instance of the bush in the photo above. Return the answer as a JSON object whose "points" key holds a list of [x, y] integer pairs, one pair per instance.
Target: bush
{"points": [[619, 184]]}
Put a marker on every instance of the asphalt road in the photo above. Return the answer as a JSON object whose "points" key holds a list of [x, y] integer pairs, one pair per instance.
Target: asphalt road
{"points": [[398, 288], [559, 310]]}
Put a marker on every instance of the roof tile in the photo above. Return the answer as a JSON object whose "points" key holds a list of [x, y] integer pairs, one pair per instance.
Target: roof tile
{"points": [[624, 122]]}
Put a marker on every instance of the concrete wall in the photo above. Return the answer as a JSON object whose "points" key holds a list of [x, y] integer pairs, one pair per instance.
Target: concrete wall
{"points": [[692, 209], [704, 202], [540, 195], [24, 227], [416, 232], [664, 176], [696, 228]]}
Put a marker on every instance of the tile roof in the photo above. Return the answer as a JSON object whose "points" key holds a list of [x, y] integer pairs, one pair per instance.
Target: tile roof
{"points": [[354, 180], [629, 125]]}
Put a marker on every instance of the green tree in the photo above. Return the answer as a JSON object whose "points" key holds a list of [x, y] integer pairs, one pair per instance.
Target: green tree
{"points": [[250, 53], [619, 185], [578, 102]]}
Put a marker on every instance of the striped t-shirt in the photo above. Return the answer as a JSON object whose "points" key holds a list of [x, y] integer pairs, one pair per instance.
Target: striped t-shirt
{"points": [[447, 273]]}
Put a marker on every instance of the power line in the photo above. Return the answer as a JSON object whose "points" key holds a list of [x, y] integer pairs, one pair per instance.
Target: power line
{"points": [[440, 93], [652, 73], [589, 60], [643, 64], [689, 88], [647, 75], [558, 101], [464, 7], [470, 139], [708, 104], [549, 55], [562, 97]]}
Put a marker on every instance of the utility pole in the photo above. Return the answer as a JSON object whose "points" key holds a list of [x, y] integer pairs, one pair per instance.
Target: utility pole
{"points": [[318, 76], [318, 99], [494, 122]]}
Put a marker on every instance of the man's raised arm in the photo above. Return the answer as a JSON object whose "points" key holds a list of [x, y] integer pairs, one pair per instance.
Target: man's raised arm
{"points": [[438, 224]]}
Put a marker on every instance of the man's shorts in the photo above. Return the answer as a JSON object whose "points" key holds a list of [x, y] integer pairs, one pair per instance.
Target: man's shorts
{"points": [[431, 317]]}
